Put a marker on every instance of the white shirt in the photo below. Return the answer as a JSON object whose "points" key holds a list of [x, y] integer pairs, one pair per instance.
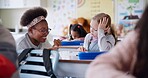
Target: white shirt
{"points": [[103, 43]]}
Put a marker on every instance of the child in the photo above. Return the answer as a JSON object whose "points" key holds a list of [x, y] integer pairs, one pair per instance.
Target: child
{"points": [[101, 36], [8, 55], [128, 59], [77, 32], [36, 37]]}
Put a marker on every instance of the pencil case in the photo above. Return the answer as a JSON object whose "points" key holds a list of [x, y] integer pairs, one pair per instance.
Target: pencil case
{"points": [[72, 43], [89, 55]]}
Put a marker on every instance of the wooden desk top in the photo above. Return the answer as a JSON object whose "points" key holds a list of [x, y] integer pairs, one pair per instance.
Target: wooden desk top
{"points": [[71, 57]]}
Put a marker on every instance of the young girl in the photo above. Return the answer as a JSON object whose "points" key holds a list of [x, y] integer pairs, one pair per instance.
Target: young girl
{"points": [[128, 59], [101, 36], [77, 32], [36, 37]]}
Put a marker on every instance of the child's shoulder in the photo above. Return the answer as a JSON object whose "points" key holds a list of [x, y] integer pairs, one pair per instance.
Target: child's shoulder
{"points": [[88, 35]]}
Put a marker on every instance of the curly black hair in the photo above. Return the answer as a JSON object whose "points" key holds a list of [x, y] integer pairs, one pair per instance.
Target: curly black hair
{"points": [[32, 13]]}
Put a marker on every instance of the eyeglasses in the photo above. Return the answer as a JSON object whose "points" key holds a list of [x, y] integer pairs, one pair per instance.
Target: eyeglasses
{"points": [[43, 30], [93, 28]]}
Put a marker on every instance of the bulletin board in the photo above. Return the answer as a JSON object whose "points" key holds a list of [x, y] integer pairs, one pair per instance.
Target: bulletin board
{"points": [[128, 12], [60, 12]]}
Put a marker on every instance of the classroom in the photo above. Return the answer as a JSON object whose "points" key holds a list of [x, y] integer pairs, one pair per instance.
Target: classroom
{"points": [[73, 38]]}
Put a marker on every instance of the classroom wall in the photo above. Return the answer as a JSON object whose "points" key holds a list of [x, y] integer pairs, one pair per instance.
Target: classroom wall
{"points": [[11, 17], [91, 7]]}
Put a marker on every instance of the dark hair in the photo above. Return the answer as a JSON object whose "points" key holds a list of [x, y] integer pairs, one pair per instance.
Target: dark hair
{"points": [[78, 28], [141, 65], [30, 14]]}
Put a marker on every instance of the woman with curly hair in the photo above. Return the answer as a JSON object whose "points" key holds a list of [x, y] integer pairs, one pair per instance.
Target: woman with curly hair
{"points": [[36, 37]]}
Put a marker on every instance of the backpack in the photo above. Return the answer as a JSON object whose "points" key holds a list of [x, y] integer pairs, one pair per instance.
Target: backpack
{"points": [[27, 54]]}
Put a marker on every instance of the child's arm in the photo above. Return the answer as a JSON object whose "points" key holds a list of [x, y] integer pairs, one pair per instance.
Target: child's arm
{"points": [[86, 43], [56, 45], [57, 42], [105, 43]]}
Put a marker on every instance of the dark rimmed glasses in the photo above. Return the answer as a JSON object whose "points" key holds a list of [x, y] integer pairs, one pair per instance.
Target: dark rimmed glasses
{"points": [[43, 30]]}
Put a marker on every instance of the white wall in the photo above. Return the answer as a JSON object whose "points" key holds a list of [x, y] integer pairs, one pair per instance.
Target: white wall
{"points": [[11, 17]]}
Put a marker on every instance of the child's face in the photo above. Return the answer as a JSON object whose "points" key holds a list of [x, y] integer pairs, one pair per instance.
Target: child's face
{"points": [[40, 31], [74, 34], [94, 28]]}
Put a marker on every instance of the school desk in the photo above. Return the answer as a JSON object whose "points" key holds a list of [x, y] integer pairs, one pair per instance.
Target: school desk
{"points": [[70, 66]]}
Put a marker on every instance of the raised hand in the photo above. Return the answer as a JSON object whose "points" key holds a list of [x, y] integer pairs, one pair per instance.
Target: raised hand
{"points": [[103, 24], [57, 42]]}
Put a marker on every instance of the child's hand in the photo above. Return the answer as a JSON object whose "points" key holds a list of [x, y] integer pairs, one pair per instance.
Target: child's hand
{"points": [[57, 42], [82, 49], [103, 24]]}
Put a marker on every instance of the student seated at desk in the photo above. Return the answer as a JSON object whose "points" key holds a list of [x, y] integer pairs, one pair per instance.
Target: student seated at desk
{"points": [[77, 32], [101, 36], [36, 37], [128, 59]]}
